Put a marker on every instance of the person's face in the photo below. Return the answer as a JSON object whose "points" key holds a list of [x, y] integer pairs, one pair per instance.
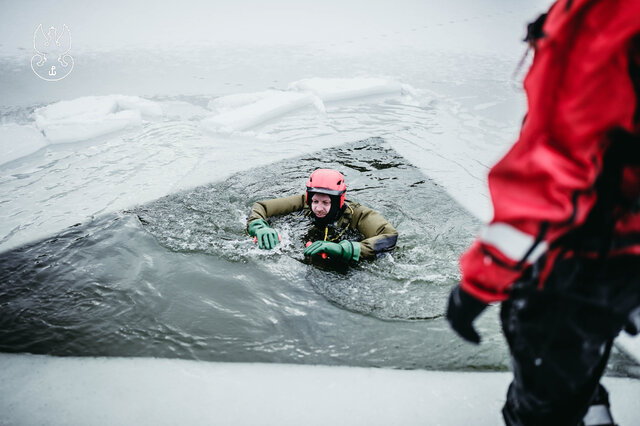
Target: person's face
{"points": [[320, 204]]}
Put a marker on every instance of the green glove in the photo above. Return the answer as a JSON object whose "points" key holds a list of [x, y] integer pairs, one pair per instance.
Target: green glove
{"points": [[344, 250], [267, 237]]}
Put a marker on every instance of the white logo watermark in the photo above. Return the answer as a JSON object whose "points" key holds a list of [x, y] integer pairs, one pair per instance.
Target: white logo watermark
{"points": [[52, 61]]}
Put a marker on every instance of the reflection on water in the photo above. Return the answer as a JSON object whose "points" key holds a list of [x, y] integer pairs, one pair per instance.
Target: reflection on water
{"points": [[179, 278]]}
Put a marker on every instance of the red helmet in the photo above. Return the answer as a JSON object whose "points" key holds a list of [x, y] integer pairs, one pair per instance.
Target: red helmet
{"points": [[327, 181]]}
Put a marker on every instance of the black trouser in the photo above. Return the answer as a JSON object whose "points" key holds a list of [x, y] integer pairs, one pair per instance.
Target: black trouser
{"points": [[560, 338]]}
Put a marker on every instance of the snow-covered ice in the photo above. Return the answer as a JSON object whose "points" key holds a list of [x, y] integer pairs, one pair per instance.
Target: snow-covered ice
{"points": [[141, 391]]}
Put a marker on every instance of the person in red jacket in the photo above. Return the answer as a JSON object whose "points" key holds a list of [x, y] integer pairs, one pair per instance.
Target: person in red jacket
{"points": [[562, 251]]}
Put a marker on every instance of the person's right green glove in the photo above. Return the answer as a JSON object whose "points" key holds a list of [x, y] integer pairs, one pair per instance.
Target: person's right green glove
{"points": [[344, 250], [267, 237]]}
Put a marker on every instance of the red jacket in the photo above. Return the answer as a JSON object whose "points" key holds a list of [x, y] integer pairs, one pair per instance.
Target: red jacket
{"points": [[579, 87]]}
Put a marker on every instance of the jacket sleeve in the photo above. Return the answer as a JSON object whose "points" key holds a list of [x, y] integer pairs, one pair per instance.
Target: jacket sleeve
{"points": [[578, 89], [276, 207], [379, 234]]}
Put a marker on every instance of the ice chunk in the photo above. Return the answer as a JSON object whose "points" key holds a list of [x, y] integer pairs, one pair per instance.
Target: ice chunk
{"points": [[338, 89], [230, 102], [148, 109], [182, 110], [19, 141], [83, 128], [241, 112], [92, 116]]}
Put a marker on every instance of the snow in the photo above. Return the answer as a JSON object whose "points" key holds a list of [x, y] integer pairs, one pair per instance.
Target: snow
{"points": [[141, 391]]}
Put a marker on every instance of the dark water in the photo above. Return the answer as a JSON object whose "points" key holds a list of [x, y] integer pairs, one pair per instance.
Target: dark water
{"points": [[178, 278]]}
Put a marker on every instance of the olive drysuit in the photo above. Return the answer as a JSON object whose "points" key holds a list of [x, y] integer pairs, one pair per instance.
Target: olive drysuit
{"points": [[379, 235]]}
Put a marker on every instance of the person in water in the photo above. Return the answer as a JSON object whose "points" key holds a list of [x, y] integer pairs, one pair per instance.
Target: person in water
{"points": [[334, 219]]}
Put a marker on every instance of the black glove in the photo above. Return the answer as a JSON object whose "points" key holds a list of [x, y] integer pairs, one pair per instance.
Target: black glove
{"points": [[462, 310]]}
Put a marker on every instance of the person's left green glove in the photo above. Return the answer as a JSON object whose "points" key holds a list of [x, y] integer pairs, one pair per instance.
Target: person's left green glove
{"points": [[344, 250], [267, 236]]}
